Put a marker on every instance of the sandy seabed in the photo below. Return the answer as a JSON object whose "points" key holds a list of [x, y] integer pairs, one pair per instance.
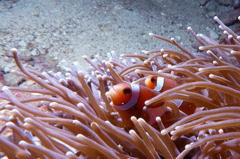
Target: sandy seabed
{"points": [[47, 32]]}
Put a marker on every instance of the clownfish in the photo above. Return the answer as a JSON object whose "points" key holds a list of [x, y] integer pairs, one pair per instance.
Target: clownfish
{"points": [[129, 100], [162, 84]]}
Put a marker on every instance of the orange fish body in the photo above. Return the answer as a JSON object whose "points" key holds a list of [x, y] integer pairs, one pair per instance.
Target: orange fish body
{"points": [[188, 108], [129, 100], [162, 84]]}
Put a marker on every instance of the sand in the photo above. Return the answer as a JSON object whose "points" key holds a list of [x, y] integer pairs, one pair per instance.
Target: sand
{"points": [[48, 31]]}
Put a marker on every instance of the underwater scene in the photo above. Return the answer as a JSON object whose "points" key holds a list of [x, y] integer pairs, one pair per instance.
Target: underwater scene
{"points": [[124, 79]]}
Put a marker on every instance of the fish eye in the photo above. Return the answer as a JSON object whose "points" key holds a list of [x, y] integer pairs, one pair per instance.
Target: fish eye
{"points": [[153, 80], [127, 91]]}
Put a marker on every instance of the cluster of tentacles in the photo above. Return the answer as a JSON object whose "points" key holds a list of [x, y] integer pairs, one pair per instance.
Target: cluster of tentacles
{"points": [[70, 116]]}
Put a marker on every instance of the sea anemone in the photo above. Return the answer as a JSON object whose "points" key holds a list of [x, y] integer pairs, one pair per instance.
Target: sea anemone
{"points": [[71, 116]]}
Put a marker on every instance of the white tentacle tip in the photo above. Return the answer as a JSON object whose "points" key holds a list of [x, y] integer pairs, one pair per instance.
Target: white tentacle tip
{"points": [[53, 104], [164, 132], [201, 48], [14, 50], [189, 28], [80, 136], [188, 146], [23, 143], [133, 118], [5, 88], [201, 69], [215, 18], [27, 119], [9, 124]]}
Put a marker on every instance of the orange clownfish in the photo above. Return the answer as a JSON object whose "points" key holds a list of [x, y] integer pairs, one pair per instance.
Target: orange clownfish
{"points": [[129, 100], [162, 84]]}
